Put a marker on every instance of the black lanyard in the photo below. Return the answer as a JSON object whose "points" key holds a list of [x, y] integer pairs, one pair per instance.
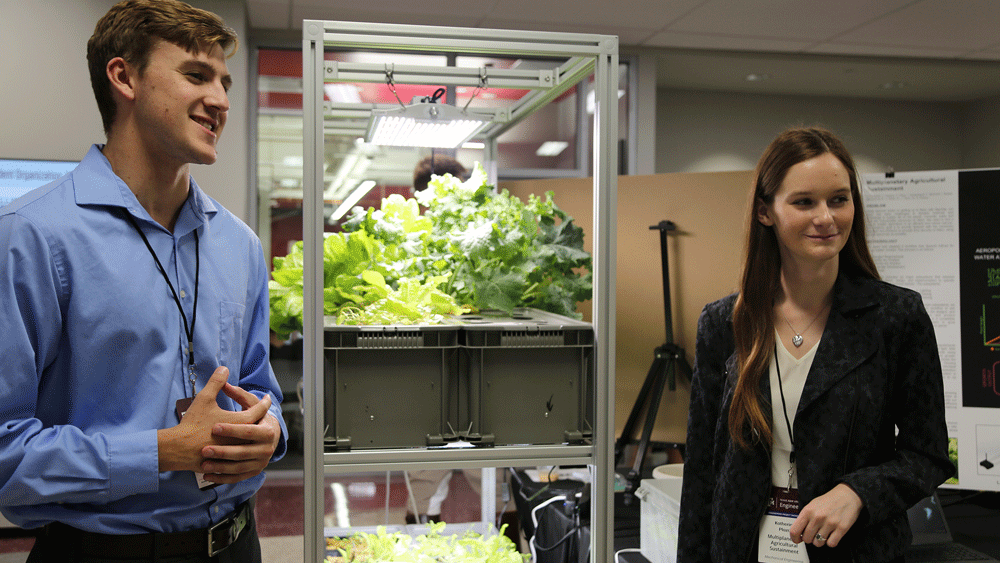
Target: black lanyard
{"points": [[784, 407], [188, 328]]}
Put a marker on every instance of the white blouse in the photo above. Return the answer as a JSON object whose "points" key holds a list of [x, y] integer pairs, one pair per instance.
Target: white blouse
{"points": [[793, 379]]}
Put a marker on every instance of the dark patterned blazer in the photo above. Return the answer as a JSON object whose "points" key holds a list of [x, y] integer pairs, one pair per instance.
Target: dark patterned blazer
{"points": [[876, 369]]}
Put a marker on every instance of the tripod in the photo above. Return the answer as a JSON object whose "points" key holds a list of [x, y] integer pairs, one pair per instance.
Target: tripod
{"points": [[666, 359]]}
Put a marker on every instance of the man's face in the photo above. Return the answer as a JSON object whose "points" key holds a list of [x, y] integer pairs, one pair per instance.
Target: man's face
{"points": [[182, 103]]}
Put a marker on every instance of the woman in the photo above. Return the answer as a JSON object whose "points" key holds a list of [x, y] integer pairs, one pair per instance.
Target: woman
{"points": [[802, 378]]}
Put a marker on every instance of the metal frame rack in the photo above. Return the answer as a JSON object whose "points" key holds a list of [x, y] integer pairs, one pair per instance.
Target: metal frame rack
{"points": [[585, 55]]}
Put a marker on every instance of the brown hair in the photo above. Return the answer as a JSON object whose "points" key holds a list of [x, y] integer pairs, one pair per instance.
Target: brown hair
{"points": [[753, 327], [131, 29], [437, 164]]}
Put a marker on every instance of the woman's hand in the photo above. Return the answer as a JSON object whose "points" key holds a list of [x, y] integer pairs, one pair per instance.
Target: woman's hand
{"points": [[826, 519]]}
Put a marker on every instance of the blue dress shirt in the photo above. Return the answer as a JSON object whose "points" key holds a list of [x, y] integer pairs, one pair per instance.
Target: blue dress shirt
{"points": [[93, 352]]}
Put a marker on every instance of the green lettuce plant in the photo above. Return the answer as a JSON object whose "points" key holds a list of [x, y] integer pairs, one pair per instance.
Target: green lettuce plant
{"points": [[472, 248], [432, 547]]}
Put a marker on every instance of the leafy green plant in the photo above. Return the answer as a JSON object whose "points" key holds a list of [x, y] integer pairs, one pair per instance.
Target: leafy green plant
{"points": [[501, 252], [953, 456], [432, 547], [473, 248]]}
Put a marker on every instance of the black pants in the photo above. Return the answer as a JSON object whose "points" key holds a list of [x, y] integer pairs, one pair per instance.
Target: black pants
{"points": [[246, 549]]}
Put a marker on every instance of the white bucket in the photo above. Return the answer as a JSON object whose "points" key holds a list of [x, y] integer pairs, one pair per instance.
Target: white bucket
{"points": [[669, 471]]}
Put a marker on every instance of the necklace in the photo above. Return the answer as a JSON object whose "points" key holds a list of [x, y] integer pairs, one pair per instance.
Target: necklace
{"points": [[797, 339]]}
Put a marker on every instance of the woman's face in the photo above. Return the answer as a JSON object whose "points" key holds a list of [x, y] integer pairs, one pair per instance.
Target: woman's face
{"points": [[812, 211]]}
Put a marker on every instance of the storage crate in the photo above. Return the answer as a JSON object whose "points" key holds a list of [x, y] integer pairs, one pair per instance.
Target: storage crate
{"points": [[529, 376], [658, 518], [389, 386]]}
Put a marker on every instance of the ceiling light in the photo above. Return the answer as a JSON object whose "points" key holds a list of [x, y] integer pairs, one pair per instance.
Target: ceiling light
{"points": [[423, 125], [895, 85], [358, 193], [292, 161], [757, 77], [551, 148], [474, 145], [342, 93]]}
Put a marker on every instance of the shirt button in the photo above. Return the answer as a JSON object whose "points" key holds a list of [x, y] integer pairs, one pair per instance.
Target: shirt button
{"points": [[216, 509], [183, 295]]}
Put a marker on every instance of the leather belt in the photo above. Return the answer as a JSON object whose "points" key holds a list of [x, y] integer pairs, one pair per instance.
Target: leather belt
{"points": [[212, 540]]}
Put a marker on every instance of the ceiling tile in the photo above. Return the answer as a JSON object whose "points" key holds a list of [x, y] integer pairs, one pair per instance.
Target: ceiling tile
{"points": [[783, 19], [439, 12], [626, 36], [635, 14], [947, 24], [269, 14], [367, 14]]}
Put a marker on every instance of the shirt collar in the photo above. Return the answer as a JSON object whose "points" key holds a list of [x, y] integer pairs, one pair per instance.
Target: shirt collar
{"points": [[95, 183]]}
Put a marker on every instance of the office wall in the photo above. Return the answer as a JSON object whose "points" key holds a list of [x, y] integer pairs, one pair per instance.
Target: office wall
{"points": [[717, 131], [47, 107], [704, 256], [981, 139]]}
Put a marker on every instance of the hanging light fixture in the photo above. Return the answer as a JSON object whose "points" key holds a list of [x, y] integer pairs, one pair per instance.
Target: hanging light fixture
{"points": [[424, 123]]}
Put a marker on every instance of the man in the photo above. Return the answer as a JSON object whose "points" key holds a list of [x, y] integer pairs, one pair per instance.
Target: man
{"points": [[437, 165], [137, 403]]}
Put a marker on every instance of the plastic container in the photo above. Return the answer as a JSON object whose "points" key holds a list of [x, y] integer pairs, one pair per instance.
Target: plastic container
{"points": [[395, 385], [523, 378], [529, 376], [659, 513], [669, 471]]}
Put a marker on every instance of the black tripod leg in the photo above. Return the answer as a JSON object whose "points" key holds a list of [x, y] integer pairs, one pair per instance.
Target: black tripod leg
{"points": [[648, 385], [647, 430]]}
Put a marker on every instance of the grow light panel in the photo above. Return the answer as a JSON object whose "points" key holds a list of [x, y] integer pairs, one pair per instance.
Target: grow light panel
{"points": [[423, 125]]}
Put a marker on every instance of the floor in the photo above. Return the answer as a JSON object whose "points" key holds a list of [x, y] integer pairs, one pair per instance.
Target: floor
{"points": [[280, 511], [372, 499]]}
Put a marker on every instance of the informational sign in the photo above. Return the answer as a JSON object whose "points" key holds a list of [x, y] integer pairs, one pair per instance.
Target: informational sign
{"points": [[18, 177], [935, 232]]}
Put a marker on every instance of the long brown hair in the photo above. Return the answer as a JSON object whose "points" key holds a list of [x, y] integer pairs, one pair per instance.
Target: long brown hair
{"points": [[753, 326]]}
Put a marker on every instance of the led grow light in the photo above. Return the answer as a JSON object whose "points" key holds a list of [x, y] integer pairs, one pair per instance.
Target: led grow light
{"points": [[423, 125]]}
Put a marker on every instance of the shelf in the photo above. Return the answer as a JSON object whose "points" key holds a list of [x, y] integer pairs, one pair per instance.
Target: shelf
{"points": [[454, 458], [582, 55]]}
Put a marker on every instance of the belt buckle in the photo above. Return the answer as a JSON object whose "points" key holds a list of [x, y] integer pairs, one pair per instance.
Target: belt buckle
{"points": [[228, 541]]}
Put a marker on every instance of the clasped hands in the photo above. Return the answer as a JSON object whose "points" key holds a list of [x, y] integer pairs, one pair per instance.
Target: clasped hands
{"points": [[827, 518], [226, 446]]}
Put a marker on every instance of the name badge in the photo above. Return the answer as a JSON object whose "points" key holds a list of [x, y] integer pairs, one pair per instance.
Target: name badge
{"points": [[182, 407], [774, 544]]}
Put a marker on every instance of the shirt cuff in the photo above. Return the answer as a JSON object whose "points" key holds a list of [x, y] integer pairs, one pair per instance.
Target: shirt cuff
{"points": [[133, 464], [279, 451]]}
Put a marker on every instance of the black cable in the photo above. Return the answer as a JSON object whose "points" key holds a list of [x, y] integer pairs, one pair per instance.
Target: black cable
{"points": [[188, 328], [558, 543], [784, 407], [437, 95]]}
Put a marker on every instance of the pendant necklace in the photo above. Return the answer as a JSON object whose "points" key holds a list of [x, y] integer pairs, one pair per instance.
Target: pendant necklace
{"points": [[797, 339]]}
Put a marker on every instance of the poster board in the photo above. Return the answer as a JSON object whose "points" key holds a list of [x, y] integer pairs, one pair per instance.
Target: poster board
{"points": [[705, 255], [937, 233]]}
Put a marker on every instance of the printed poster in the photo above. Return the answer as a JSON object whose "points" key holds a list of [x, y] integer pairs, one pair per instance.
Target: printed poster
{"points": [[932, 232]]}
